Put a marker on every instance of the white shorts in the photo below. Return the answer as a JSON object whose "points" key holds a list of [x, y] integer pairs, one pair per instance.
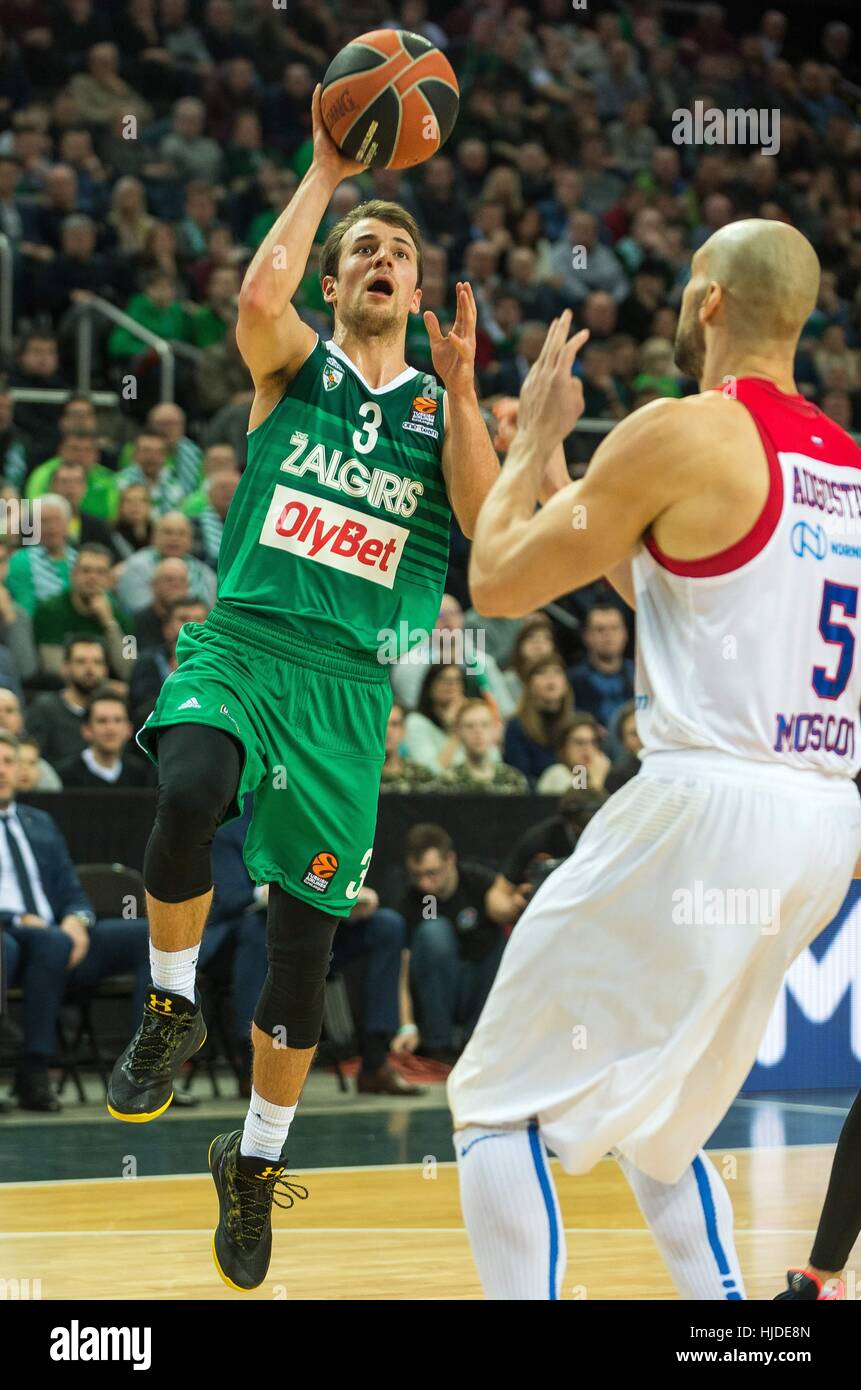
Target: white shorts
{"points": [[632, 996]]}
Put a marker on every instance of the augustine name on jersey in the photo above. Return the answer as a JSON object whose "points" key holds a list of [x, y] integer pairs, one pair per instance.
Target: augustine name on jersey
{"points": [[840, 504]]}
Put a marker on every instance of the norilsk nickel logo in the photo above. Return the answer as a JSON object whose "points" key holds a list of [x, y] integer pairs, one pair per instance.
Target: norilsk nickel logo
{"points": [[809, 540]]}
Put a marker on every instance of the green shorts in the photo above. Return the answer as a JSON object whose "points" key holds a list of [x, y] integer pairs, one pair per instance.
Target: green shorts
{"points": [[312, 722]]}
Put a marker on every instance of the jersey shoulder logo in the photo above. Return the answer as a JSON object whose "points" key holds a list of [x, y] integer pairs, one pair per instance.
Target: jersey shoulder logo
{"points": [[423, 416], [333, 375]]}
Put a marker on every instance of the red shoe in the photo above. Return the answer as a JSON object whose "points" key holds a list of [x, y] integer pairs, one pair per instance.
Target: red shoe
{"points": [[802, 1287]]}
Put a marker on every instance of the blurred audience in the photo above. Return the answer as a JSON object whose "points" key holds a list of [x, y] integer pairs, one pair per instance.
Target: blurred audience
{"points": [[455, 941], [545, 708]]}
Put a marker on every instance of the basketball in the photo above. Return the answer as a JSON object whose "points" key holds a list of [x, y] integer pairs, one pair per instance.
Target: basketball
{"points": [[390, 99], [325, 865]]}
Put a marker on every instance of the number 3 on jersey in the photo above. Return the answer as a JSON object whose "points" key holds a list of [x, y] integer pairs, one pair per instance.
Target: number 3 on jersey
{"points": [[372, 415], [354, 888], [844, 597]]}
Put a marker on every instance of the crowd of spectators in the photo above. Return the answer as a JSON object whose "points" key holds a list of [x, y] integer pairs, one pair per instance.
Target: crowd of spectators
{"points": [[145, 150]]}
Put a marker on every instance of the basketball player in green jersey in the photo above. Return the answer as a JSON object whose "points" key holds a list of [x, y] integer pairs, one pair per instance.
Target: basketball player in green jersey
{"points": [[336, 538]]}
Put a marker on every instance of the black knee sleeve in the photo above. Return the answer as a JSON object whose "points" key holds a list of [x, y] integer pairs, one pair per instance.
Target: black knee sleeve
{"points": [[198, 776], [299, 947]]}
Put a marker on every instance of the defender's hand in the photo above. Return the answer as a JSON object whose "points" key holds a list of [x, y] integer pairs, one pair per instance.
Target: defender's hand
{"points": [[551, 401]]}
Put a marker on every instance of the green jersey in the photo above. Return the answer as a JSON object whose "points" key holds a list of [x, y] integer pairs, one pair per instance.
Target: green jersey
{"points": [[339, 528]]}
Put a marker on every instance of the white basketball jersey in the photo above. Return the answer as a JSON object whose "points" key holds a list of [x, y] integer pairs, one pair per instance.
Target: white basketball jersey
{"points": [[755, 650]]}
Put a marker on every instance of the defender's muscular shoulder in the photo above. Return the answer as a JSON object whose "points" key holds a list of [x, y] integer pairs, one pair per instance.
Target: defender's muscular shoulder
{"points": [[720, 475]]}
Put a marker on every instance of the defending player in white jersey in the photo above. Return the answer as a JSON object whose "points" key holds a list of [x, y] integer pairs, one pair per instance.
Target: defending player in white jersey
{"points": [[635, 989]]}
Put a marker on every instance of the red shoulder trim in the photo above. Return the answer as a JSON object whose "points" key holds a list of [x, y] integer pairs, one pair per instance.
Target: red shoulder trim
{"points": [[747, 547]]}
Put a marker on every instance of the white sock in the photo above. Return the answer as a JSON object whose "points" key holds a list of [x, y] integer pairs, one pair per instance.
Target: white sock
{"points": [[265, 1131], [174, 971], [691, 1221], [511, 1212]]}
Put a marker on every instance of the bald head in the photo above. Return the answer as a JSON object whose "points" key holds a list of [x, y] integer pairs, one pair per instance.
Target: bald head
{"points": [[769, 273], [755, 283]]}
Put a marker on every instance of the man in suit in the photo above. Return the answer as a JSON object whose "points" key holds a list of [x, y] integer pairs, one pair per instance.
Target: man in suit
{"points": [[50, 937]]}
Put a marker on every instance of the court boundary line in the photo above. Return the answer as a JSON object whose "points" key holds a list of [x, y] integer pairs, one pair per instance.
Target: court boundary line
{"points": [[794, 1105], [371, 1230], [384, 1167]]}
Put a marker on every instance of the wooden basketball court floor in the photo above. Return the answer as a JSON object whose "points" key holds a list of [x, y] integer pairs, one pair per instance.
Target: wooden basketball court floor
{"points": [[376, 1230]]}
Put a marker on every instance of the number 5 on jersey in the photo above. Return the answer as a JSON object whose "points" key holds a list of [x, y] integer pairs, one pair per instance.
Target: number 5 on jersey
{"points": [[845, 597]]}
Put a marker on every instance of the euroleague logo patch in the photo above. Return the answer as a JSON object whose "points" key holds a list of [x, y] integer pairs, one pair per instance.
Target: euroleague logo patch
{"points": [[422, 420], [321, 871]]}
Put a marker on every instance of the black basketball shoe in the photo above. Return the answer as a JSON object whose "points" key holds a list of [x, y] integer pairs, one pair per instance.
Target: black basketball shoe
{"points": [[242, 1243], [172, 1030], [805, 1288]]}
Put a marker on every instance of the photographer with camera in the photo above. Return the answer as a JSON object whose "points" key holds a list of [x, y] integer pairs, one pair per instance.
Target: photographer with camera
{"points": [[541, 850]]}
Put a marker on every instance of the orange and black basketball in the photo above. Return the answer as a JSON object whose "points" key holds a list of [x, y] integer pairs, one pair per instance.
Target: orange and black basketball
{"points": [[324, 865], [390, 98]]}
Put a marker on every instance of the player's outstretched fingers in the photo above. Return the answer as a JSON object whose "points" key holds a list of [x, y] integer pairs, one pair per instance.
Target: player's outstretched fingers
{"points": [[431, 323], [467, 302], [555, 339], [460, 321], [563, 323], [544, 355], [573, 346]]}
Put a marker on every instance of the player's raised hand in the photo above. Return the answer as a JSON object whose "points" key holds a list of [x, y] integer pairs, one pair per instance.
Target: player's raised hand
{"points": [[551, 401], [327, 156], [453, 354]]}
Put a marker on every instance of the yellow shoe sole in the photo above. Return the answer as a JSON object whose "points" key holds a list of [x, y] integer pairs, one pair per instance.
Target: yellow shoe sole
{"points": [[139, 1119], [153, 1114]]}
